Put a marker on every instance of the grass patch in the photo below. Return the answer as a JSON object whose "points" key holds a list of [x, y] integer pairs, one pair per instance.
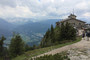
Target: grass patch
{"points": [[36, 52], [58, 56]]}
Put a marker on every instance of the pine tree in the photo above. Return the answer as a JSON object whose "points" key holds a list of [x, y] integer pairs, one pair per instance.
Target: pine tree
{"points": [[52, 35], [57, 34], [34, 46], [1, 46], [62, 32], [28, 48], [52, 29], [45, 41], [73, 34], [16, 46], [70, 32], [67, 32]]}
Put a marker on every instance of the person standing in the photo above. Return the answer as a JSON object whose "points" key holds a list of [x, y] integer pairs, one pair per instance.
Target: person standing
{"points": [[83, 35], [88, 35]]}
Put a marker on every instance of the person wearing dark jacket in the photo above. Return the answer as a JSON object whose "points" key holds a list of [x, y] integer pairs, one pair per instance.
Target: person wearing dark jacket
{"points": [[83, 35], [88, 35]]}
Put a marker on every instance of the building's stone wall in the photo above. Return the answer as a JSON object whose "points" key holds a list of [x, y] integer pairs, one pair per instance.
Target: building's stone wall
{"points": [[81, 26], [75, 23]]}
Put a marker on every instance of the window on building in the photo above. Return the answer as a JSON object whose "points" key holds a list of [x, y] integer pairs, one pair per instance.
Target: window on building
{"points": [[79, 23], [73, 23]]}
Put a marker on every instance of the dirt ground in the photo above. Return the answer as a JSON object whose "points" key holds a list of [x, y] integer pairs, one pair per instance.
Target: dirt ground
{"points": [[84, 44]]}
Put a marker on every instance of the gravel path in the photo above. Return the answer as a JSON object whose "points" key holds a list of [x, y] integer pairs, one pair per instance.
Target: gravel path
{"points": [[83, 44]]}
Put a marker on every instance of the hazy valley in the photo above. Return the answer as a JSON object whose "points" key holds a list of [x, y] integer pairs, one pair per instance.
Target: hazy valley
{"points": [[31, 32]]}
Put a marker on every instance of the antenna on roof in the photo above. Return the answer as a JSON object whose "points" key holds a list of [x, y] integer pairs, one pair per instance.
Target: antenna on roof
{"points": [[73, 11]]}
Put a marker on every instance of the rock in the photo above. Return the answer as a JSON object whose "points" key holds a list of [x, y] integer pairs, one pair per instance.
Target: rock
{"points": [[74, 58], [83, 56], [79, 55]]}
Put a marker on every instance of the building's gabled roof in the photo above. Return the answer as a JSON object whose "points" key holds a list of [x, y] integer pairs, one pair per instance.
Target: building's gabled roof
{"points": [[80, 20], [63, 20], [72, 15], [71, 19]]}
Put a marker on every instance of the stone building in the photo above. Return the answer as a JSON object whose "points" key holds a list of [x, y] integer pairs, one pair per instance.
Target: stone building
{"points": [[76, 23]]}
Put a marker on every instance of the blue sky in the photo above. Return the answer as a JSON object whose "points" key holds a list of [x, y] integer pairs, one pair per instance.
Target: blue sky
{"points": [[44, 8]]}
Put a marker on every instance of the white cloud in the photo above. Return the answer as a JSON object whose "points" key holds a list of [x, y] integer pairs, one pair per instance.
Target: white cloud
{"points": [[82, 5], [18, 11], [43, 8], [87, 14]]}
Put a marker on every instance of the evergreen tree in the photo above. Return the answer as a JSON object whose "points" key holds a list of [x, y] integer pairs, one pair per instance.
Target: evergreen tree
{"points": [[45, 39], [62, 32], [67, 32], [28, 48], [1, 46], [73, 34], [57, 34], [16, 46], [34, 46], [52, 29], [70, 32], [47, 34], [52, 35]]}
